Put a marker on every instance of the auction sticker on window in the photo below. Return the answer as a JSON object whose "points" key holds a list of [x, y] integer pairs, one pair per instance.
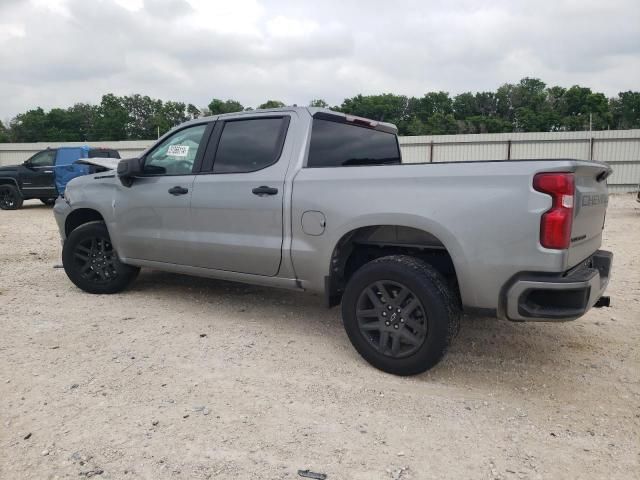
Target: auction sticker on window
{"points": [[178, 150]]}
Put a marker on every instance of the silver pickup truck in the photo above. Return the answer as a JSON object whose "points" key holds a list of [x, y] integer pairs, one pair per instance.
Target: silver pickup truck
{"points": [[314, 200]]}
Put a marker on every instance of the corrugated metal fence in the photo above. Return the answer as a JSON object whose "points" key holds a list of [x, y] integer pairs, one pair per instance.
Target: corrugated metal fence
{"points": [[619, 148]]}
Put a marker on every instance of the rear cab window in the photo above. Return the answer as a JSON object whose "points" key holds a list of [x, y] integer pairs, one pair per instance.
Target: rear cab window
{"points": [[249, 145], [103, 153], [335, 142]]}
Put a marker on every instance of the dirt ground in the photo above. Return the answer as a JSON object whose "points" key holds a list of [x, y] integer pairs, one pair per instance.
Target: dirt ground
{"points": [[186, 378]]}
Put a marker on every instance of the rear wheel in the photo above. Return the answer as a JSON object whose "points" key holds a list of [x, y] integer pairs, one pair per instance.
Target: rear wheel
{"points": [[400, 315], [48, 201], [10, 198], [92, 263]]}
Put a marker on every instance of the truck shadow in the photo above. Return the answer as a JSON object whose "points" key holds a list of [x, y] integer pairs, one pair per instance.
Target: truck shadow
{"points": [[487, 351], [35, 205]]}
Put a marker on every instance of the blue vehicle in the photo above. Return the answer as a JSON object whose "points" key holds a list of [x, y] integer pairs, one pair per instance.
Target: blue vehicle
{"points": [[45, 175]]}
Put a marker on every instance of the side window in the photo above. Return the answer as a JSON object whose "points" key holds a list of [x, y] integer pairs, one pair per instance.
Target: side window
{"points": [[335, 144], [176, 154], [249, 145], [44, 159]]}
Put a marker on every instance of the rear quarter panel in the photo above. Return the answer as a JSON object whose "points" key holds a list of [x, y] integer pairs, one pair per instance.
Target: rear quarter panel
{"points": [[486, 214]]}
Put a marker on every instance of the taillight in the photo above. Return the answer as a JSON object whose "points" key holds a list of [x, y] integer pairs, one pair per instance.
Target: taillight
{"points": [[555, 225]]}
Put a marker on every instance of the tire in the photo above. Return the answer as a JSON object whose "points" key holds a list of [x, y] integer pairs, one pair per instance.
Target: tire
{"points": [[10, 198], [91, 262], [48, 201], [400, 315]]}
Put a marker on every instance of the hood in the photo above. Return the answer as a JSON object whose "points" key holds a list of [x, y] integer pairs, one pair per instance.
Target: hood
{"points": [[8, 168]]}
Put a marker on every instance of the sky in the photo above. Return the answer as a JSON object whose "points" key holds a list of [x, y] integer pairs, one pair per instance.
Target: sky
{"points": [[54, 53]]}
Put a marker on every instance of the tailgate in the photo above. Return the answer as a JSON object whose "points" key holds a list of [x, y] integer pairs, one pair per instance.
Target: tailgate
{"points": [[590, 207]]}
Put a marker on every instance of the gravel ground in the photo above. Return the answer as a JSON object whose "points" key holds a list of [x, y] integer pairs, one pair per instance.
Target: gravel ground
{"points": [[186, 378]]}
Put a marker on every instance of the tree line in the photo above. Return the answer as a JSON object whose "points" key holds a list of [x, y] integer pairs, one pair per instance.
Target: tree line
{"points": [[527, 106]]}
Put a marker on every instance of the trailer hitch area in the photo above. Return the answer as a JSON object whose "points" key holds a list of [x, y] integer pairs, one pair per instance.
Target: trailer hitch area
{"points": [[604, 301]]}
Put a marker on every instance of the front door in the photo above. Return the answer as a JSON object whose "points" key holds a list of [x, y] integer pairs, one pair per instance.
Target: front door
{"points": [[37, 175], [237, 201], [153, 214]]}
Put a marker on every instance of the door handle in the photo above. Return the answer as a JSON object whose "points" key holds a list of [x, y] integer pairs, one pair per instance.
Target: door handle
{"points": [[264, 190], [178, 191], [48, 171]]}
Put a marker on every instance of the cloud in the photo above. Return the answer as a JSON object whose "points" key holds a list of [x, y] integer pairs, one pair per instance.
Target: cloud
{"points": [[58, 52]]}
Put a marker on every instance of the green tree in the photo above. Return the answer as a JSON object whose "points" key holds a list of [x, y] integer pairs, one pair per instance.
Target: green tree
{"points": [[218, 107], [386, 107], [193, 112], [318, 102], [464, 105], [581, 106], [416, 127], [442, 124], [145, 116], [4, 134], [431, 103], [112, 119], [485, 124], [486, 104], [504, 102], [529, 103], [272, 104], [30, 126], [82, 119], [625, 110], [170, 115]]}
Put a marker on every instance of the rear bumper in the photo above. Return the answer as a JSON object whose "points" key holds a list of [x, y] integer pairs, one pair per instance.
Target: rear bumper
{"points": [[544, 297]]}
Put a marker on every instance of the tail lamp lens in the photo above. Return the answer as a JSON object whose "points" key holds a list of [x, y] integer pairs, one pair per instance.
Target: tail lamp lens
{"points": [[555, 225]]}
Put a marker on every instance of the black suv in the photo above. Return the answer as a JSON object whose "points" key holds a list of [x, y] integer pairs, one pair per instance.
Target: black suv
{"points": [[35, 178]]}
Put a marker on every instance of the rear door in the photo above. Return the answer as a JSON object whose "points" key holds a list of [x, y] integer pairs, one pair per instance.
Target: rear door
{"points": [[153, 214], [589, 210], [237, 201]]}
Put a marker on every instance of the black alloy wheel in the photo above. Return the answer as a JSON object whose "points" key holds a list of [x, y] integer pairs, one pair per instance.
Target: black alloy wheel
{"points": [[95, 260], [10, 198], [392, 319], [92, 263], [400, 314]]}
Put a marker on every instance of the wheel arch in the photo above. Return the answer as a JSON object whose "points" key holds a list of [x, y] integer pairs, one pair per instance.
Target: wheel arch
{"points": [[10, 181], [367, 241], [80, 217]]}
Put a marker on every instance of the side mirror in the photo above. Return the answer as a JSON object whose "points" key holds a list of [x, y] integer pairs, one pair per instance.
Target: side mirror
{"points": [[27, 164], [128, 169]]}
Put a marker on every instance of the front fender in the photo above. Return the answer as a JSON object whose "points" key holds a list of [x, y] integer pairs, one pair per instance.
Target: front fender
{"points": [[10, 180]]}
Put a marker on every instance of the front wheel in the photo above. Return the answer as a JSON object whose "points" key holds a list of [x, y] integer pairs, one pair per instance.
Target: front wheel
{"points": [[92, 263], [10, 198], [399, 314]]}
